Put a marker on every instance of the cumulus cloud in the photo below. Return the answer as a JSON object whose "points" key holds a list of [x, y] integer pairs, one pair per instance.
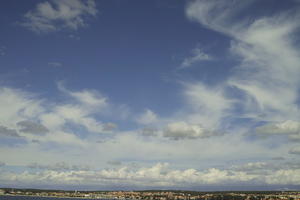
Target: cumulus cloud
{"points": [[197, 56], [55, 15], [157, 175], [4, 131], [32, 127], [183, 130]]}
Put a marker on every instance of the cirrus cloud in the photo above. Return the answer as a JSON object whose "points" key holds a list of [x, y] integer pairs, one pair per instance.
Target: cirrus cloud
{"points": [[55, 15]]}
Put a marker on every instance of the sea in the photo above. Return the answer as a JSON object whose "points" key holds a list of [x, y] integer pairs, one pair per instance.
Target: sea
{"points": [[4, 197]]}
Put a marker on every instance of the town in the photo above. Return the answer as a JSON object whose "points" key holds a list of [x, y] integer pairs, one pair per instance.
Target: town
{"points": [[157, 194]]}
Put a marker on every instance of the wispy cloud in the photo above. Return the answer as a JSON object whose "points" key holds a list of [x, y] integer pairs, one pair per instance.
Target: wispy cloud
{"points": [[295, 150], [2, 50], [55, 15], [55, 64], [4, 131], [269, 59], [32, 127], [33, 118], [60, 166], [198, 55]]}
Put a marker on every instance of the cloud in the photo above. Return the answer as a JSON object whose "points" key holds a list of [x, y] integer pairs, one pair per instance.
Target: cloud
{"points": [[4, 131], [74, 37], [109, 126], [60, 166], [278, 158], [77, 115], [289, 128], [114, 162], [81, 112], [182, 130], [55, 64], [2, 164], [32, 128], [23, 112], [285, 127], [216, 14], [252, 166], [208, 104], [87, 97], [2, 50], [148, 117], [269, 58], [197, 56], [295, 150], [147, 131], [158, 175], [17, 105], [55, 15]]}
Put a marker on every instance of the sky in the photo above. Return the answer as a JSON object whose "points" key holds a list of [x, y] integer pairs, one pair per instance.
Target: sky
{"points": [[136, 94]]}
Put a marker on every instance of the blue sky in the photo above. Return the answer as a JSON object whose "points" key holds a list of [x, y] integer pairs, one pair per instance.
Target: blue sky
{"points": [[200, 95]]}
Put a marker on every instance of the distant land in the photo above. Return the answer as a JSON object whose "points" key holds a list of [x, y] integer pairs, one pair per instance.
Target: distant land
{"points": [[152, 194]]}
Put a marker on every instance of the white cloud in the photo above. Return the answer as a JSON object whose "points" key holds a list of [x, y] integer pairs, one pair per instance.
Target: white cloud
{"points": [[17, 105], [157, 175], [295, 150], [197, 56], [2, 50], [252, 166], [55, 64], [50, 16], [114, 162], [148, 117], [60, 166], [35, 119], [284, 177], [4, 131], [27, 126], [147, 131], [109, 126], [79, 115], [268, 75], [208, 104], [182, 130], [88, 98], [289, 127]]}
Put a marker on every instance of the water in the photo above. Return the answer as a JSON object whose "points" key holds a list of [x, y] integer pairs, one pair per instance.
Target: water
{"points": [[41, 198]]}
